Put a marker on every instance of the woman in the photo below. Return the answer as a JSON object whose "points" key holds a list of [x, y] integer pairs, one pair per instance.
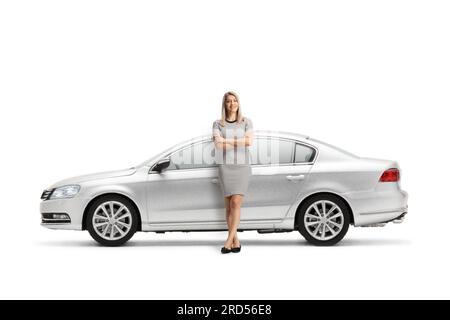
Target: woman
{"points": [[232, 135]]}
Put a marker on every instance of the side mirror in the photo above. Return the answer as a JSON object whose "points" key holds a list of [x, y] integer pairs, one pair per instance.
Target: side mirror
{"points": [[161, 165]]}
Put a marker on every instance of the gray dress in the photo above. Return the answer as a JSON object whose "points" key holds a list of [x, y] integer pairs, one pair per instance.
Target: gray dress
{"points": [[234, 164]]}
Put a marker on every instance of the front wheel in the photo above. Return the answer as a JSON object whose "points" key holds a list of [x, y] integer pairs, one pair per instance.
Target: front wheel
{"points": [[112, 220], [323, 220]]}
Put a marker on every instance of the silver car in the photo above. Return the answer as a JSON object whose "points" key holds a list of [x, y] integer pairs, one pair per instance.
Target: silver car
{"points": [[297, 183]]}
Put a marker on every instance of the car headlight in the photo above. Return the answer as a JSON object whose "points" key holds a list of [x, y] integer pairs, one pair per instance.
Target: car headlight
{"points": [[65, 192]]}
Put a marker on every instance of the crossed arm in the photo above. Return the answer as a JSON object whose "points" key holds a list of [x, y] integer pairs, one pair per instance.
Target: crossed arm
{"points": [[226, 144]]}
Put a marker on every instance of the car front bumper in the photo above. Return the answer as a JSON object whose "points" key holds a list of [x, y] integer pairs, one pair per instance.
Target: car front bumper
{"points": [[73, 207]]}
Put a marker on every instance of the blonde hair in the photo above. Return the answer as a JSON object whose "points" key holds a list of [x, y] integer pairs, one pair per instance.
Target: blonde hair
{"points": [[239, 116]]}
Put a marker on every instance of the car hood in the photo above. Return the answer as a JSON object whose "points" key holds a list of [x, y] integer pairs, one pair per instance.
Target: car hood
{"points": [[94, 176]]}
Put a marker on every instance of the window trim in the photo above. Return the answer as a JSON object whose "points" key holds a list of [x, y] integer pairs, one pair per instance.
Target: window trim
{"points": [[292, 163]]}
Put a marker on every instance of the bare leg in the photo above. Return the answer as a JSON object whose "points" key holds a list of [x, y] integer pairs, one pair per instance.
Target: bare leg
{"points": [[228, 211], [228, 217], [229, 222], [235, 217]]}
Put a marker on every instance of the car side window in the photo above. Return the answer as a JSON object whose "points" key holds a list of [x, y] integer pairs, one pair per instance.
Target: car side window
{"points": [[303, 153], [195, 156], [204, 155], [181, 159], [271, 150], [263, 151]]}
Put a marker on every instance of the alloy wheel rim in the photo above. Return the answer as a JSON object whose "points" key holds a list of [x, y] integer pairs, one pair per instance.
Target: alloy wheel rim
{"points": [[112, 220], [324, 220]]}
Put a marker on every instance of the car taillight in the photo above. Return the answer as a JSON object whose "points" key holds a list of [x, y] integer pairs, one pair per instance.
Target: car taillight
{"points": [[390, 175]]}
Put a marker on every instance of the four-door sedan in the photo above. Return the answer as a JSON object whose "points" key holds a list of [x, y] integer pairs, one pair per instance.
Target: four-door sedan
{"points": [[297, 183]]}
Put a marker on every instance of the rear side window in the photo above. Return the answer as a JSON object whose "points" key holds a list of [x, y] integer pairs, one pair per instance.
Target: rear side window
{"points": [[271, 150], [303, 153]]}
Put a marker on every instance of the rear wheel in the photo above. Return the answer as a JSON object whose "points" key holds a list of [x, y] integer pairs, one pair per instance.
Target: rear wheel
{"points": [[112, 220], [323, 220]]}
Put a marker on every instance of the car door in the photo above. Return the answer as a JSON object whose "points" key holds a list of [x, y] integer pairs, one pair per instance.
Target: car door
{"points": [[279, 169], [187, 192]]}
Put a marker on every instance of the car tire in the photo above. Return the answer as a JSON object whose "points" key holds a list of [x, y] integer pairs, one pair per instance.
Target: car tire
{"points": [[323, 220], [112, 230]]}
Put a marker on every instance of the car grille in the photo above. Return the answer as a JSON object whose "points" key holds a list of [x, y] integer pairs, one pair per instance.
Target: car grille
{"points": [[46, 194]]}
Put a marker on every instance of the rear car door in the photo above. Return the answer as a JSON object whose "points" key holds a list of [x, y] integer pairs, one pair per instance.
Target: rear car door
{"points": [[279, 168]]}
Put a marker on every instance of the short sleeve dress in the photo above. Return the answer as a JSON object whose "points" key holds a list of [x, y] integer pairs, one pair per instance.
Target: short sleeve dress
{"points": [[234, 164]]}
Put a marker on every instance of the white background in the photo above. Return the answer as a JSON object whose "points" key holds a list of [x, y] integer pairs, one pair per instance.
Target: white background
{"points": [[88, 86]]}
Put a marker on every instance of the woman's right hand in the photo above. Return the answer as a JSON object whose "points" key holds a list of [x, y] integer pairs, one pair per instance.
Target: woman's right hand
{"points": [[219, 139]]}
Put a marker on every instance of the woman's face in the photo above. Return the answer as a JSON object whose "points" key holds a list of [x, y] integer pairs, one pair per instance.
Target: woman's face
{"points": [[231, 104]]}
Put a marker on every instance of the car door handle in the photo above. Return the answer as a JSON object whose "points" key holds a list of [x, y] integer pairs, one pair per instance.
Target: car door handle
{"points": [[214, 180], [295, 178]]}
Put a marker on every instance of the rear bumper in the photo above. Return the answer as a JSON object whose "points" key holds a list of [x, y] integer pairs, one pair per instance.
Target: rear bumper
{"points": [[382, 217], [379, 206], [398, 219]]}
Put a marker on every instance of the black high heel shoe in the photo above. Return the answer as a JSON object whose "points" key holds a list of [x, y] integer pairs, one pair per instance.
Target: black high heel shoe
{"points": [[236, 249], [226, 250]]}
